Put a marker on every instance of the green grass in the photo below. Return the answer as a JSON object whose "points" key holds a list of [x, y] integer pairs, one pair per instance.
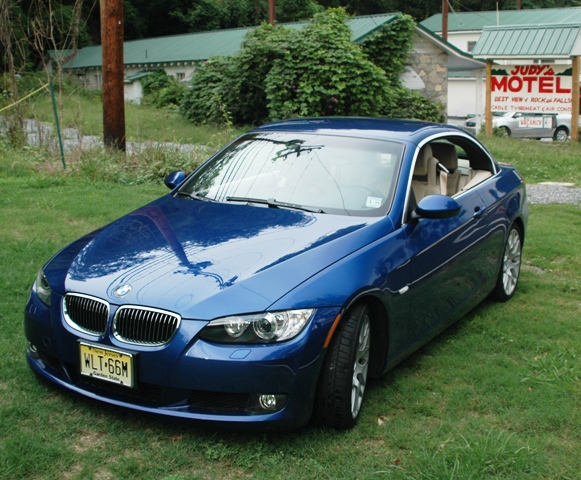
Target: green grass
{"points": [[85, 113], [157, 134], [539, 161], [498, 395]]}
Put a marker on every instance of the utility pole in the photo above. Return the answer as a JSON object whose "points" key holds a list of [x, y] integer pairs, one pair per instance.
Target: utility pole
{"points": [[445, 19], [272, 12], [113, 73]]}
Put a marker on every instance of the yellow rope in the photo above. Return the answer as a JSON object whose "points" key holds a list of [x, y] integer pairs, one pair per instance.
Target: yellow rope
{"points": [[24, 98]]}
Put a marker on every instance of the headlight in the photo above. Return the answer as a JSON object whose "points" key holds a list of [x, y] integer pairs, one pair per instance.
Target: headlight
{"points": [[267, 327], [42, 288]]}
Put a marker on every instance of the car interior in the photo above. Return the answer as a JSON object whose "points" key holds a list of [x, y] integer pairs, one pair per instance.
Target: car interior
{"points": [[447, 168]]}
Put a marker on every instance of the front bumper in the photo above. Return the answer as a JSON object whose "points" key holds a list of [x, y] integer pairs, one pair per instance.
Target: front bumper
{"points": [[189, 378]]}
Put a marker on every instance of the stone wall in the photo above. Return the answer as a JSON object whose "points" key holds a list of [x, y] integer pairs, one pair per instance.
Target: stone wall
{"points": [[431, 64]]}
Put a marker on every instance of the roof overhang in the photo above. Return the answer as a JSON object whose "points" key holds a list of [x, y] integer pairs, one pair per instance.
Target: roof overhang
{"points": [[458, 60], [540, 42]]}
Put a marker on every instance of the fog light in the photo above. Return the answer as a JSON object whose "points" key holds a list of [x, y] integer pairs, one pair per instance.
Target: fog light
{"points": [[265, 403], [33, 351], [268, 402]]}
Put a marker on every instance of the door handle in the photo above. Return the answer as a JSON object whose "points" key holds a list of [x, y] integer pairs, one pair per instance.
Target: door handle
{"points": [[479, 212]]}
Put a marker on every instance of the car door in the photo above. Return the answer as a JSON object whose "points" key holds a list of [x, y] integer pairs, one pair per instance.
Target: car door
{"points": [[518, 125], [450, 262]]}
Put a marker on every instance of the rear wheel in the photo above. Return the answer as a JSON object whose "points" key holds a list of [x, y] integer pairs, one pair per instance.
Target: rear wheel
{"points": [[561, 135], [344, 375], [510, 269]]}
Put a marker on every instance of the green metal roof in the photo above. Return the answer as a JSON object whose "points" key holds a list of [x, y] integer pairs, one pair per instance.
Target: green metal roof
{"points": [[194, 47], [471, 21], [136, 76], [541, 41]]}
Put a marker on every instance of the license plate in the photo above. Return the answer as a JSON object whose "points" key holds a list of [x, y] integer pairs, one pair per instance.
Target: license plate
{"points": [[107, 364]]}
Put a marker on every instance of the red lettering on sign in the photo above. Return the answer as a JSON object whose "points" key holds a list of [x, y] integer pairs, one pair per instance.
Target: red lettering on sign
{"points": [[515, 84], [545, 85], [559, 89], [499, 84]]}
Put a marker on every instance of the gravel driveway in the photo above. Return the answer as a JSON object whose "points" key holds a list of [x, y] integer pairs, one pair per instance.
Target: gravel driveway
{"points": [[553, 192]]}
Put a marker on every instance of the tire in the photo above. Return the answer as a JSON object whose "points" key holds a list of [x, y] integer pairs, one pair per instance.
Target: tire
{"points": [[344, 374], [510, 269], [505, 131], [561, 135]]}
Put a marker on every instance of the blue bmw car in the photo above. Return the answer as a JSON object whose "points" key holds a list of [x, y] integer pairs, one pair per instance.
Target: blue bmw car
{"points": [[274, 281]]}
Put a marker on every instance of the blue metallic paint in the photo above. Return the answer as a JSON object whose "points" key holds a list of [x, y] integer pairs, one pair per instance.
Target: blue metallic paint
{"points": [[241, 259]]}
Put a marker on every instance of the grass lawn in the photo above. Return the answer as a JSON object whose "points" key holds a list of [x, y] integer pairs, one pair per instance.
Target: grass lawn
{"points": [[498, 395]]}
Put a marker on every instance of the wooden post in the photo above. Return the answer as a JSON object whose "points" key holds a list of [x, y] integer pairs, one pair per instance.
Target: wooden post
{"points": [[445, 19], [488, 108], [272, 12], [575, 101], [113, 73]]}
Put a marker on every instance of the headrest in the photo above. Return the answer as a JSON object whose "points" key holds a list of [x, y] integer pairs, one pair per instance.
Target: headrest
{"points": [[421, 168], [446, 154]]}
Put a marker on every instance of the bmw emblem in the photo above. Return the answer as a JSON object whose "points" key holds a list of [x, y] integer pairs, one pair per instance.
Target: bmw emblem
{"points": [[122, 290]]}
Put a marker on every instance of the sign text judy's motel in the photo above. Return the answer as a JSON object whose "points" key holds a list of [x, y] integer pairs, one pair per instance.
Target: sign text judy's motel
{"points": [[532, 88]]}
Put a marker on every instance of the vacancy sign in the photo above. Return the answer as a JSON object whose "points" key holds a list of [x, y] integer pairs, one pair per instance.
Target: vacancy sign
{"points": [[531, 88]]}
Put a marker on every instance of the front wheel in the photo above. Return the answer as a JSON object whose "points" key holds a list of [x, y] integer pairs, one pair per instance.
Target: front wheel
{"points": [[505, 132], [510, 268], [344, 374]]}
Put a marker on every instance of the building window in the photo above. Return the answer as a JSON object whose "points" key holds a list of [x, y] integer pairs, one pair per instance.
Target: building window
{"points": [[180, 76], [471, 46]]}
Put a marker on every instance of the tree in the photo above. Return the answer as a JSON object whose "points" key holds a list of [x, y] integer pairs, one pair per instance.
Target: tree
{"points": [[203, 15], [13, 59], [296, 10]]}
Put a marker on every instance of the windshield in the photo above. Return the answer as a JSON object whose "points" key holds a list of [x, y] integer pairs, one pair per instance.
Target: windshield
{"points": [[329, 174]]}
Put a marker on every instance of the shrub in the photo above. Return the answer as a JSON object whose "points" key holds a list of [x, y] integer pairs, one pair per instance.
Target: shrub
{"points": [[389, 47], [161, 90], [214, 89], [261, 48], [284, 72], [405, 103], [324, 73]]}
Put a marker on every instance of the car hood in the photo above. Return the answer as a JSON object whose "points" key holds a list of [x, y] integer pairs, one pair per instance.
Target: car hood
{"points": [[205, 260]]}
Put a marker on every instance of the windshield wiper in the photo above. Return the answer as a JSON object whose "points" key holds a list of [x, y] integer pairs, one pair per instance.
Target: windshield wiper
{"points": [[194, 196], [272, 203]]}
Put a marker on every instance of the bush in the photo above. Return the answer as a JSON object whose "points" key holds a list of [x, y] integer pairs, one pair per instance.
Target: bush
{"points": [[214, 90], [284, 72], [325, 73], [390, 47], [261, 48], [161, 90], [405, 103]]}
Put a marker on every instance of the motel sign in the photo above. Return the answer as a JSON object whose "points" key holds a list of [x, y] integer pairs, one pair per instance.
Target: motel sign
{"points": [[532, 88]]}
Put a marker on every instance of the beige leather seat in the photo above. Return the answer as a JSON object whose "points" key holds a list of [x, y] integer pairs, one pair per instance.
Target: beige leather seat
{"points": [[448, 156], [425, 177]]}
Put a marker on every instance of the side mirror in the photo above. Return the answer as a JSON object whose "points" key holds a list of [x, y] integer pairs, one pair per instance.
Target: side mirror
{"points": [[174, 179], [437, 206]]}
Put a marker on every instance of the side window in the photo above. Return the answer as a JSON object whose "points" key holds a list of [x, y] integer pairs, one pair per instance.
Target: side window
{"points": [[449, 166], [465, 162]]}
